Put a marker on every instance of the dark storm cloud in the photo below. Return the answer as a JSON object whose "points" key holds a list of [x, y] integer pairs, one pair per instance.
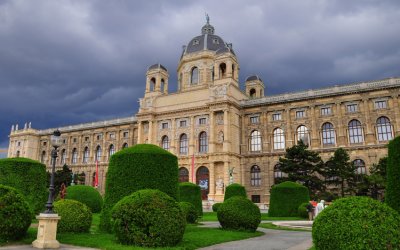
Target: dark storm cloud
{"points": [[66, 62]]}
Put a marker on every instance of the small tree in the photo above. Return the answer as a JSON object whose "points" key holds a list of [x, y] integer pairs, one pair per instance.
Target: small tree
{"points": [[303, 165], [61, 177], [392, 196], [377, 179]]}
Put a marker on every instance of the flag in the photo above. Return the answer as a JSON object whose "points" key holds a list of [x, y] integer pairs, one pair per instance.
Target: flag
{"points": [[193, 168], [96, 178]]}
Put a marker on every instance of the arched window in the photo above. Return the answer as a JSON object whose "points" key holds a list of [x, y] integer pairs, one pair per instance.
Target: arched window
{"points": [[162, 85], [222, 70], [86, 155], [360, 164], [194, 76], [355, 132], [255, 141], [183, 174], [328, 134], [183, 144], [111, 150], [303, 135], [279, 139], [278, 174], [165, 142], [98, 154], [43, 157], [203, 142], [125, 145], [63, 156], [152, 84], [252, 93], [74, 159], [384, 129], [255, 178]]}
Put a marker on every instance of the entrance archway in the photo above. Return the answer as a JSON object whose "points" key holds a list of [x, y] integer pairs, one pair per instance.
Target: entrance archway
{"points": [[203, 180]]}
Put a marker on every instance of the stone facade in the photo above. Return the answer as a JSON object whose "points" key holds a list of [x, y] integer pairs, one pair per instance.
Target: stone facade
{"points": [[223, 134]]}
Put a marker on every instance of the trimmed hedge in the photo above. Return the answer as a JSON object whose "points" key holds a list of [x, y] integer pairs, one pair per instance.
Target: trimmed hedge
{"points": [[286, 198], [215, 207], [302, 210], [190, 192], [144, 166], [238, 213], [87, 195], [392, 193], [357, 223], [75, 216], [148, 218], [235, 189], [189, 210], [27, 176], [15, 214]]}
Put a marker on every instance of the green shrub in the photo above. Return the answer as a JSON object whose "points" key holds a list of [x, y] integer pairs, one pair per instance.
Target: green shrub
{"points": [[15, 214], [239, 213], [357, 223], [190, 192], [87, 195], [235, 189], [392, 193], [75, 216], [144, 166], [286, 198], [27, 176], [215, 207], [148, 218], [302, 210], [189, 210]]}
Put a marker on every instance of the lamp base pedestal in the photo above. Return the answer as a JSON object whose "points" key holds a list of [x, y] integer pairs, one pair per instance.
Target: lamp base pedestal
{"points": [[47, 231]]}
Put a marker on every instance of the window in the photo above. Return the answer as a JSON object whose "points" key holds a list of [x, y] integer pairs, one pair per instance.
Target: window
{"points": [[279, 139], [194, 76], [112, 135], [355, 132], [195, 42], [254, 119], [384, 129], [18, 143], [99, 137], [255, 176], [360, 164], [98, 154], [303, 135], [87, 138], [183, 175], [252, 93], [183, 144], [328, 134], [222, 70], [182, 123], [125, 134], [164, 125], [44, 143], [278, 174], [300, 114], [255, 141], [64, 141], [111, 150], [203, 142], [277, 117], [255, 198], [382, 104], [202, 121], [125, 145], [326, 111], [86, 155], [165, 142], [74, 140], [351, 108], [63, 156], [74, 156]]}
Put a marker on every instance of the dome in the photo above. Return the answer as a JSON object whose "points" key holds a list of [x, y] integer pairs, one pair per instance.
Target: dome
{"points": [[253, 78], [157, 66]]}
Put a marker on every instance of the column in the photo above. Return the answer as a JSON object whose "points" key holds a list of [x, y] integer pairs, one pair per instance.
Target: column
{"points": [[172, 139], [140, 137], [192, 140], [227, 136], [369, 128], [314, 140], [150, 132], [212, 133], [212, 180], [288, 132], [341, 132]]}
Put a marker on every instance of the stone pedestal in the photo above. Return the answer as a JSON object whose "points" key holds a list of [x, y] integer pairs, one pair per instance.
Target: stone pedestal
{"points": [[47, 231]]}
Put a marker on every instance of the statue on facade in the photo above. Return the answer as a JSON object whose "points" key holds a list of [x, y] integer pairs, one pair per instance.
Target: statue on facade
{"points": [[219, 185], [230, 171]]}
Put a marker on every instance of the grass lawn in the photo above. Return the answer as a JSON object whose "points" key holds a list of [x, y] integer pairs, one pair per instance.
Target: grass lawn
{"points": [[212, 216], [269, 225], [194, 237]]}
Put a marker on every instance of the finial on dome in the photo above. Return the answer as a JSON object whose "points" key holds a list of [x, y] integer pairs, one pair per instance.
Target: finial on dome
{"points": [[207, 19], [207, 28]]}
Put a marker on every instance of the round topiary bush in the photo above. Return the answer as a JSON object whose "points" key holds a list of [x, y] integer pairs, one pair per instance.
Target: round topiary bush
{"points": [[87, 195], [189, 210], [235, 189], [75, 216], [148, 218], [15, 214], [286, 198], [357, 223], [238, 213], [190, 192], [29, 177], [302, 210], [215, 207], [144, 166]]}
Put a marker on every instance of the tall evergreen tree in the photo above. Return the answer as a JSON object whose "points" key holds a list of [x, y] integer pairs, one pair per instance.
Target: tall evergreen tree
{"points": [[304, 166], [392, 194], [376, 181]]}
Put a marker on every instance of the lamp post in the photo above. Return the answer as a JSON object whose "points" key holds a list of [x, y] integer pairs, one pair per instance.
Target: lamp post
{"points": [[47, 229]]}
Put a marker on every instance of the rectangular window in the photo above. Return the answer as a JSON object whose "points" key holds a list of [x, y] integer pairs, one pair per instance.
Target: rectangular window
{"points": [[277, 117], [202, 121], [87, 138], [125, 134], [74, 140], [44, 143], [64, 141], [182, 123], [99, 136], [351, 108], [300, 114], [112, 136], [326, 111], [254, 119], [19, 143], [164, 125], [255, 198], [380, 104]]}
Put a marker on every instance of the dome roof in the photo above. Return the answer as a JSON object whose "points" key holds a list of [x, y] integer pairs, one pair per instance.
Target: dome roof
{"points": [[253, 78], [157, 66]]}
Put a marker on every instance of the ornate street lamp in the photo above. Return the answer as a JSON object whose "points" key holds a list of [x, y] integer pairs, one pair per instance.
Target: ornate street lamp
{"points": [[55, 142]]}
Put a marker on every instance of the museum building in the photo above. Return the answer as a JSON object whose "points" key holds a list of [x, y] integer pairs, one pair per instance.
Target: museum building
{"points": [[221, 133]]}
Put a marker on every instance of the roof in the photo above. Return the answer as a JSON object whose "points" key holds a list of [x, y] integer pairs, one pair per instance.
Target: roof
{"points": [[157, 66], [253, 78]]}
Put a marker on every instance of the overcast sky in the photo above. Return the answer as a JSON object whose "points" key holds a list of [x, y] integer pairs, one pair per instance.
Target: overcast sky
{"points": [[67, 62]]}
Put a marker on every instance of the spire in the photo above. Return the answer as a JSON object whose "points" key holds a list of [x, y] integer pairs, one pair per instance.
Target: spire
{"points": [[207, 28]]}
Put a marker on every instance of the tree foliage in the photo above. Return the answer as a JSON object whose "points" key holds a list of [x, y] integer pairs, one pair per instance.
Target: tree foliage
{"points": [[392, 196]]}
